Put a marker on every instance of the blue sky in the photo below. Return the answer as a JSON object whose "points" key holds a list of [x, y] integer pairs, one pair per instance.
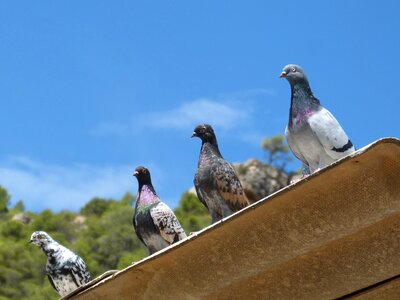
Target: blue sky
{"points": [[91, 89]]}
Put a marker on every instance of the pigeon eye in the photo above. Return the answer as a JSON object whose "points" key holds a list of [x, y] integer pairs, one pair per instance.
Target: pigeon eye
{"points": [[293, 70]]}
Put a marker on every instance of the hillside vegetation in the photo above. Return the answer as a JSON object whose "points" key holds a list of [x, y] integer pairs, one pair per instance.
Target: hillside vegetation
{"points": [[101, 233]]}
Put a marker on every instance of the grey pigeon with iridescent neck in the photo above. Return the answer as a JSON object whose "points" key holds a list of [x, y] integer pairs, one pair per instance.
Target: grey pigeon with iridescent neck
{"points": [[216, 182], [66, 270], [155, 223], [313, 133]]}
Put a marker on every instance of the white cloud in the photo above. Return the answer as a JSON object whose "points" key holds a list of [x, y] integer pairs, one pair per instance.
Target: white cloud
{"points": [[225, 112], [58, 187], [221, 115], [189, 114]]}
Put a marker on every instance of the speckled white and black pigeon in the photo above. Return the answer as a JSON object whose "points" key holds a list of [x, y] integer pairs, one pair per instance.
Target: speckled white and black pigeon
{"points": [[66, 270], [155, 223], [216, 182], [313, 134]]}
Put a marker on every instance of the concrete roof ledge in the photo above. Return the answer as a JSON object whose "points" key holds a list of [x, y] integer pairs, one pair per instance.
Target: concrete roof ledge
{"points": [[333, 234]]}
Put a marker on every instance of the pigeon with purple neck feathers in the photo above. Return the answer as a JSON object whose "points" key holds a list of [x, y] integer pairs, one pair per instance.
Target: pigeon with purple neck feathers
{"points": [[216, 182], [313, 134], [155, 223], [66, 270]]}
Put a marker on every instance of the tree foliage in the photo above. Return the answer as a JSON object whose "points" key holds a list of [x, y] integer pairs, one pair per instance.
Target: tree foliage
{"points": [[192, 214], [279, 155], [277, 151], [4, 200]]}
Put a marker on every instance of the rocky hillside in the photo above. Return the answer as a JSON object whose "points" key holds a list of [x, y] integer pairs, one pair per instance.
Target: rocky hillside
{"points": [[260, 180]]}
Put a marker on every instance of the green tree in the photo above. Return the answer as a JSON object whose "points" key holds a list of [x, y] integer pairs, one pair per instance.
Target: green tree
{"points": [[96, 206], [279, 155], [192, 214], [18, 207], [277, 151], [108, 240], [4, 200]]}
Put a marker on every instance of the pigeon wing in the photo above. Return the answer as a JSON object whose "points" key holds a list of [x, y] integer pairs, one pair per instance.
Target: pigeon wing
{"points": [[167, 223], [79, 272], [198, 190], [330, 134], [228, 185], [137, 231], [52, 282]]}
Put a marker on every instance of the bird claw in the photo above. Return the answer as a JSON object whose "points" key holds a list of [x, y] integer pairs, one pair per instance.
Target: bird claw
{"points": [[293, 181], [305, 175]]}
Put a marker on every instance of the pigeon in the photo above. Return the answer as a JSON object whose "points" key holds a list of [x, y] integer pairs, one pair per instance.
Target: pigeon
{"points": [[313, 134], [155, 223], [66, 270], [216, 182]]}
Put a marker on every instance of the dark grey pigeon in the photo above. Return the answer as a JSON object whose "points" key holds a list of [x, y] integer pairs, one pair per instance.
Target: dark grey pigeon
{"points": [[66, 270], [155, 223], [313, 133], [216, 182]]}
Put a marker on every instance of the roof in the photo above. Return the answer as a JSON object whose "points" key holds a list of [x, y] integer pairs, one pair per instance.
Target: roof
{"points": [[333, 234]]}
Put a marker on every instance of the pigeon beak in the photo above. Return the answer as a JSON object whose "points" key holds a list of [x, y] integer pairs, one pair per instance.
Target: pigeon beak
{"points": [[194, 134], [30, 241], [283, 74], [136, 173]]}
